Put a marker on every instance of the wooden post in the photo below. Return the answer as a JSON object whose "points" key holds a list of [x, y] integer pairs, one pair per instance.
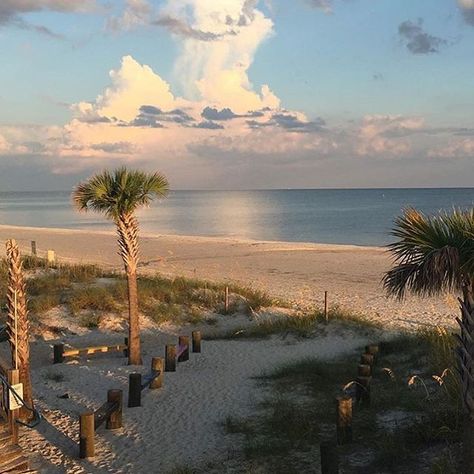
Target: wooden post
{"points": [[157, 364], [86, 435], [364, 370], [226, 302], [134, 390], [13, 376], [114, 421], [344, 420], [372, 349], [363, 390], [125, 351], [33, 248], [184, 341], [170, 358], [51, 257], [196, 335], [58, 353], [326, 314], [367, 359], [329, 458]]}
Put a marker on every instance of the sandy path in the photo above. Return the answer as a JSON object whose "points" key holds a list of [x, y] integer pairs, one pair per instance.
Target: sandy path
{"points": [[180, 424], [293, 271]]}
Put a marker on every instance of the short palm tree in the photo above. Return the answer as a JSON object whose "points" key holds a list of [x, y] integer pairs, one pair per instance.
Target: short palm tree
{"points": [[118, 194], [434, 254]]}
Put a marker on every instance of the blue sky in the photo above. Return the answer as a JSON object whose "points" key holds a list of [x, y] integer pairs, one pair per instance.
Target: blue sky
{"points": [[380, 88]]}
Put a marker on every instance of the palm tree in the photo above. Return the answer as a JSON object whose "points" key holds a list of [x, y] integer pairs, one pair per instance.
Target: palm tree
{"points": [[18, 324], [435, 254], [118, 194]]}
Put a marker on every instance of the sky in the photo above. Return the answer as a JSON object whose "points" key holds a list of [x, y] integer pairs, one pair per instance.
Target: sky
{"points": [[238, 94]]}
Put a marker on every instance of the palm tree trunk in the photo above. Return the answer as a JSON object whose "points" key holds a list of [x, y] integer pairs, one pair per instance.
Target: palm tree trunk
{"points": [[127, 229], [134, 354], [18, 324], [466, 369]]}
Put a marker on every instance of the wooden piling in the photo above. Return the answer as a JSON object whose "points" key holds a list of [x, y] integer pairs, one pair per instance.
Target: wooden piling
{"points": [[134, 390], [344, 419], [329, 458], [364, 370], [226, 301], [372, 349], [114, 421], [184, 341], [33, 248], [363, 390], [158, 365], [367, 359], [170, 358], [86, 435], [196, 337], [326, 313], [58, 353]]}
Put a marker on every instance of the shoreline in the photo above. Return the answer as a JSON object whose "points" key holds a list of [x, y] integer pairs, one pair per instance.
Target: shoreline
{"points": [[300, 245]]}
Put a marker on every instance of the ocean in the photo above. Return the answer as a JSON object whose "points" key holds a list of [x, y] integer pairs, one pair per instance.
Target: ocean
{"points": [[349, 216]]}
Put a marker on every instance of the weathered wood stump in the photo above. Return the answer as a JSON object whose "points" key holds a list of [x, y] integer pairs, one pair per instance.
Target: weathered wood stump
{"points": [[344, 419]]}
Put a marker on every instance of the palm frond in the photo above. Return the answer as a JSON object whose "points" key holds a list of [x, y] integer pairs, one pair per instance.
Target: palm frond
{"points": [[119, 192], [432, 253]]}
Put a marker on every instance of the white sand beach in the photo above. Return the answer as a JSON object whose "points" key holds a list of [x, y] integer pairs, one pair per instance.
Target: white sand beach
{"points": [[295, 272]]}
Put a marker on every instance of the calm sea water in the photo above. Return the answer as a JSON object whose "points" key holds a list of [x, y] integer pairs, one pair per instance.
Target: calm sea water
{"points": [[362, 216]]}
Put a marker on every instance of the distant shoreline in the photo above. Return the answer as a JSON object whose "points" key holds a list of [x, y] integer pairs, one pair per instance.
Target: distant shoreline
{"points": [[288, 245]]}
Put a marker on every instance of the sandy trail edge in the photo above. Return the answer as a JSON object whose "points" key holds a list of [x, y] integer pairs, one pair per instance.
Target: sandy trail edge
{"points": [[298, 272]]}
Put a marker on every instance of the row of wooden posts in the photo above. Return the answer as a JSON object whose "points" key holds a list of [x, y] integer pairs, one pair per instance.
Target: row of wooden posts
{"points": [[344, 409], [111, 410]]}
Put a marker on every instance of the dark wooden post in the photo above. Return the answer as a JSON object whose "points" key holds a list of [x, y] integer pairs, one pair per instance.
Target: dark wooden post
{"points": [[363, 390], [158, 365], [367, 359], [86, 435], [184, 341], [326, 315], [13, 376], [364, 370], [170, 358], [58, 354], [226, 302], [33, 248], [134, 390], [125, 351], [372, 349], [344, 419], [329, 458], [196, 335], [114, 421]]}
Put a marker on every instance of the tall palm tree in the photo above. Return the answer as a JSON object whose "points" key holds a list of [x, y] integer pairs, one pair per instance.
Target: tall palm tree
{"points": [[18, 324], [435, 254], [118, 194]]}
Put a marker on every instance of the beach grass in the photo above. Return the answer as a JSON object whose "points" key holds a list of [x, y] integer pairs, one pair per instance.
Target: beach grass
{"points": [[409, 427], [87, 291]]}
